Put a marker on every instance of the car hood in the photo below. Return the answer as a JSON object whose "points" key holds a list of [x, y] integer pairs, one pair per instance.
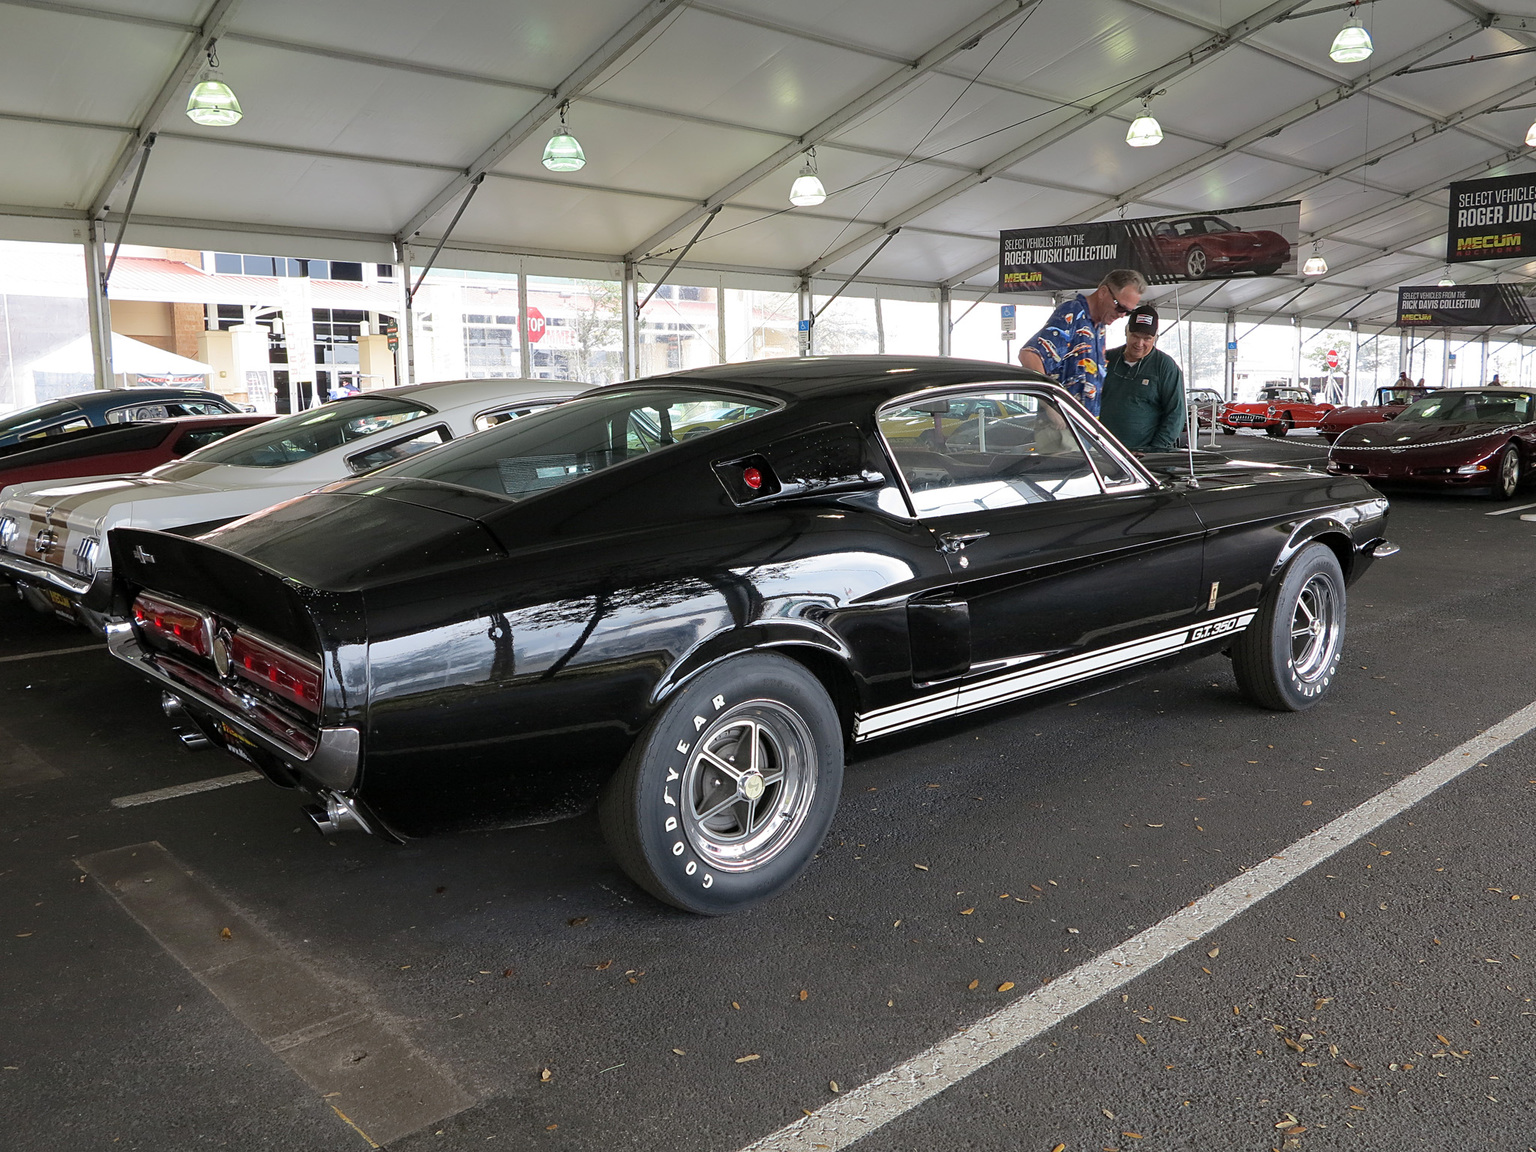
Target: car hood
{"points": [[1214, 466], [1428, 434]]}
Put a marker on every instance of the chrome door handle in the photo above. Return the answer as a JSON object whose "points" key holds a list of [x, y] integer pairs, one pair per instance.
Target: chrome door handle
{"points": [[956, 541]]}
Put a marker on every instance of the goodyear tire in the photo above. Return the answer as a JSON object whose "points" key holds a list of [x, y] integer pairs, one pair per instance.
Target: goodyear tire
{"points": [[1288, 657], [730, 790]]}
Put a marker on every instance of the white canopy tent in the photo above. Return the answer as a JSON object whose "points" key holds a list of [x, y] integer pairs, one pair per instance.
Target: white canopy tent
{"points": [[367, 124], [130, 357]]}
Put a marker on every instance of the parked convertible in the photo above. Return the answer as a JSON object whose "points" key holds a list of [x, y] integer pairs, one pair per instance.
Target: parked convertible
{"points": [[584, 604], [108, 406], [51, 534], [1482, 439], [1277, 410], [115, 450], [1388, 405]]}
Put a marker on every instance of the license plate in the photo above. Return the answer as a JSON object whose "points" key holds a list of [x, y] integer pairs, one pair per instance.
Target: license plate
{"points": [[235, 741], [60, 600]]}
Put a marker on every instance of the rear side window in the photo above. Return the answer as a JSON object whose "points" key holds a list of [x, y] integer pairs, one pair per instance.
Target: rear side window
{"points": [[397, 450], [563, 443], [502, 415], [57, 429], [138, 412], [291, 439], [196, 438]]}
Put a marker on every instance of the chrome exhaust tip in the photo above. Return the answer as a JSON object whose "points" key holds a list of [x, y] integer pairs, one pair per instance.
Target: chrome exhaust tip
{"points": [[186, 729], [336, 815]]}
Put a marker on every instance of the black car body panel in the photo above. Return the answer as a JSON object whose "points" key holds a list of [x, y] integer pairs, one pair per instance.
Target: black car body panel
{"points": [[498, 658]]}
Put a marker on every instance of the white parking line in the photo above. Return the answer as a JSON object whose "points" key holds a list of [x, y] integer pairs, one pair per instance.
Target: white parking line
{"points": [[887, 1097], [176, 790], [1507, 511], [54, 652]]}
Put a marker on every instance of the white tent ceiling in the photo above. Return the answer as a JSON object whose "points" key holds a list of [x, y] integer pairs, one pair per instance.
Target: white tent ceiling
{"points": [[365, 122]]}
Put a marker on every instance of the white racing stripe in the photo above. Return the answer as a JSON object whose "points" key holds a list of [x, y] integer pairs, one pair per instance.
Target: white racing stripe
{"points": [[970, 697], [189, 789], [1507, 511], [887, 1097]]}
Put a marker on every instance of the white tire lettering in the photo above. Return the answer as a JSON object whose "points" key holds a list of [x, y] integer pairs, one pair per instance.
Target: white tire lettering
{"points": [[683, 746], [666, 795], [709, 881], [718, 702], [672, 775], [699, 722], [693, 866], [677, 848], [671, 824]]}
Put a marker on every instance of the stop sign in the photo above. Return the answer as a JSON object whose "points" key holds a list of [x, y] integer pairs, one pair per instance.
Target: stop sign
{"points": [[1333, 357], [535, 325]]}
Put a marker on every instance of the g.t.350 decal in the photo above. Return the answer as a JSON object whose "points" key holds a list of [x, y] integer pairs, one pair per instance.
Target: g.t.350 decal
{"points": [[1215, 628]]}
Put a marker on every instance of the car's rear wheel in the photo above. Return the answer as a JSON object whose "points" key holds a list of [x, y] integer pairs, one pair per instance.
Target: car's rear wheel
{"points": [[730, 790], [1506, 479], [1195, 263], [1287, 658]]}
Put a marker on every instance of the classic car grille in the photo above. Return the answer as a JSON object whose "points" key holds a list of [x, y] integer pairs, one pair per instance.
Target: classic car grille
{"points": [[1245, 418]]}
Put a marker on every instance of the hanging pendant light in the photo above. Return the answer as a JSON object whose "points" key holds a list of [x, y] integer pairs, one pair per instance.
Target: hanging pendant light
{"points": [[563, 153], [1315, 265], [212, 102], [1445, 279], [1144, 131], [1530, 136], [807, 191], [1353, 43]]}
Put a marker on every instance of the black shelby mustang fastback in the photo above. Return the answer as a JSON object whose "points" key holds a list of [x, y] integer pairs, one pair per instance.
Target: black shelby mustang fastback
{"points": [[692, 595]]}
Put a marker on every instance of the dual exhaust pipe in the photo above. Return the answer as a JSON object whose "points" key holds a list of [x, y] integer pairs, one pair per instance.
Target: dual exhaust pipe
{"points": [[335, 813]]}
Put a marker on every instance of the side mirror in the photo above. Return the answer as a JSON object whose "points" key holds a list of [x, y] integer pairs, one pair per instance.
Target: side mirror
{"points": [[828, 460], [1389, 415]]}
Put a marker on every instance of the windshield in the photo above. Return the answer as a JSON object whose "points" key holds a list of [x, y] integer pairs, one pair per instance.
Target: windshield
{"points": [[560, 444], [32, 417], [291, 439], [1472, 408]]}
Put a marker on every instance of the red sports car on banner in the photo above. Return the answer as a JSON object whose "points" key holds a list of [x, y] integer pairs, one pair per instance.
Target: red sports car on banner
{"points": [[1390, 401], [1198, 247], [1470, 438], [1277, 411]]}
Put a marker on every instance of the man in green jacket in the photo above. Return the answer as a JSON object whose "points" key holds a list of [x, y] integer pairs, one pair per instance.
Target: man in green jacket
{"points": [[1143, 389]]}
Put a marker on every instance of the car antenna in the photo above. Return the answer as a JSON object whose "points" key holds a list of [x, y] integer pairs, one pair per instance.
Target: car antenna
{"points": [[1191, 420]]}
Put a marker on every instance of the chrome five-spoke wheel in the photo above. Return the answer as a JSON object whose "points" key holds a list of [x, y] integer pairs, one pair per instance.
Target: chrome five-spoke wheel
{"points": [[1315, 628], [749, 783]]}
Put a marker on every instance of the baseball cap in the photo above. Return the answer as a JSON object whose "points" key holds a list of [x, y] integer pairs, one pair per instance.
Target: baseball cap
{"points": [[1142, 319]]}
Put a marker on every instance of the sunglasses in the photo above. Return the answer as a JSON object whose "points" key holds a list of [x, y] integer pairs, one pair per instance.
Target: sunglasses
{"points": [[1121, 309]]}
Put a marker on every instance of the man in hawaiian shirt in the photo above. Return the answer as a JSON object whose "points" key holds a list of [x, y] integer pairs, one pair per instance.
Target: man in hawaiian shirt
{"points": [[1070, 348]]}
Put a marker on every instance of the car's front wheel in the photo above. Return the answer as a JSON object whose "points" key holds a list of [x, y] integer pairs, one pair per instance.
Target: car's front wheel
{"points": [[730, 790], [1281, 427], [1287, 658], [1228, 431], [1506, 477]]}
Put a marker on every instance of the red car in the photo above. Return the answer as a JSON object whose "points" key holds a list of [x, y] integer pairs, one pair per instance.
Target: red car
{"points": [[1390, 401], [1198, 247], [115, 450], [1277, 411], [1469, 438]]}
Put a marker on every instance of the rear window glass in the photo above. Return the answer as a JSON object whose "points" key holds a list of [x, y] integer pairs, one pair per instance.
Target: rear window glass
{"points": [[30, 418], [546, 449], [294, 438]]}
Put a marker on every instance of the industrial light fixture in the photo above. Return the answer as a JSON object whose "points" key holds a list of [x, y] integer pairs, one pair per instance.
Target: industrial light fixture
{"points": [[807, 191], [563, 153], [1445, 279], [1530, 136], [1353, 43], [212, 103], [1144, 131], [1315, 265]]}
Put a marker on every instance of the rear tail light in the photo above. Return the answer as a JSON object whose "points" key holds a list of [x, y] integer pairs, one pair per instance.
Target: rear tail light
{"points": [[176, 624], [279, 671]]}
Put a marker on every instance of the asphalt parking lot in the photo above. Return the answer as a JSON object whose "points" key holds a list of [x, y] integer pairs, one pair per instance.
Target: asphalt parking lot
{"points": [[520, 992]]}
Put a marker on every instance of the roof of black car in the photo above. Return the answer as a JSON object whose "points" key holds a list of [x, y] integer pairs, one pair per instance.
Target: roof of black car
{"points": [[878, 377]]}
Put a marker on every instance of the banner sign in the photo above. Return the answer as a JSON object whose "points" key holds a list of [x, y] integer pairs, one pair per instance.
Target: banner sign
{"points": [[1259, 241], [1468, 306], [1492, 219]]}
